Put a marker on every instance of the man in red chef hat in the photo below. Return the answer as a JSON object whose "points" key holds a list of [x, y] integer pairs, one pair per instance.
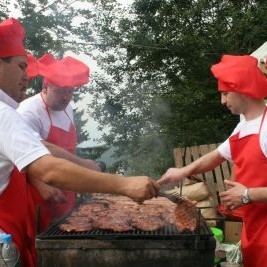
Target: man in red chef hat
{"points": [[23, 156], [50, 115], [243, 87]]}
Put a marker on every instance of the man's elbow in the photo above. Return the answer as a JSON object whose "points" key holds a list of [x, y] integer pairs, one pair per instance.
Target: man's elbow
{"points": [[43, 169]]}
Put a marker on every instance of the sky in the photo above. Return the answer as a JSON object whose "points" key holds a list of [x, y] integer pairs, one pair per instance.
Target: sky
{"points": [[125, 2]]}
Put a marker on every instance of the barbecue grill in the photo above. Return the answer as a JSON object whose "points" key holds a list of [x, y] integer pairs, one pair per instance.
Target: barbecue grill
{"points": [[101, 248]]}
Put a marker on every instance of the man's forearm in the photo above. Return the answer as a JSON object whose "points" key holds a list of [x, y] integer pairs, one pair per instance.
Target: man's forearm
{"points": [[64, 154], [205, 163], [69, 176], [258, 194]]}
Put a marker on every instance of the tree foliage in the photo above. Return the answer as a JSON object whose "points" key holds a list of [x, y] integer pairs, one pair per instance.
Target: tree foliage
{"points": [[162, 93]]}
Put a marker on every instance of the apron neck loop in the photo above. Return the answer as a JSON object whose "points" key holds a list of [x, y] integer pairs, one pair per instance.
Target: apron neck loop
{"points": [[263, 116]]}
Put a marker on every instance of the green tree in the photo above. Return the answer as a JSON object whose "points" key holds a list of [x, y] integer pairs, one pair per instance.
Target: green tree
{"points": [[160, 93], [4, 9]]}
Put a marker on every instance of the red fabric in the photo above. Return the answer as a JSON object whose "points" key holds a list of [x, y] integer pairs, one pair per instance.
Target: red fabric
{"points": [[50, 211], [17, 217], [35, 67], [250, 166], [240, 74], [47, 59], [67, 72], [11, 38], [235, 215], [64, 73], [32, 68]]}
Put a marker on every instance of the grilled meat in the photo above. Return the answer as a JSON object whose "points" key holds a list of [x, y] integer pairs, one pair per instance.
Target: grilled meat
{"points": [[185, 216], [148, 223], [120, 214], [115, 220]]}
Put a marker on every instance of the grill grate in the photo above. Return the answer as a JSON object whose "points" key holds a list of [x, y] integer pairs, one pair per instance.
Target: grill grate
{"points": [[168, 232]]}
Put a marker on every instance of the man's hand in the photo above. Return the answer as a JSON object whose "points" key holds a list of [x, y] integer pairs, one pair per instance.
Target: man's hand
{"points": [[171, 178], [140, 188], [232, 198], [93, 165], [49, 193]]}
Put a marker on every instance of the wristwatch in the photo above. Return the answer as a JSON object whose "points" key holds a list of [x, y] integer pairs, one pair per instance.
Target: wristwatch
{"points": [[245, 198]]}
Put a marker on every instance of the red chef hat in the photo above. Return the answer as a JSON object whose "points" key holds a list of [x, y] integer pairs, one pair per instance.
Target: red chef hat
{"points": [[36, 67], [240, 74], [47, 59], [32, 68], [11, 38], [64, 73]]}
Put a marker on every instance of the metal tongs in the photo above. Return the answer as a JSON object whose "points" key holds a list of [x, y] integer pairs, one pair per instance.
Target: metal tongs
{"points": [[176, 198]]}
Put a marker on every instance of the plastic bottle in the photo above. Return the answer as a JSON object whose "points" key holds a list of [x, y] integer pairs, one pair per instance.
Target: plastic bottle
{"points": [[9, 252], [2, 263]]}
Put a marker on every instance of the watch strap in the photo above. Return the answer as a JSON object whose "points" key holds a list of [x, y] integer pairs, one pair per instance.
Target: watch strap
{"points": [[245, 197]]}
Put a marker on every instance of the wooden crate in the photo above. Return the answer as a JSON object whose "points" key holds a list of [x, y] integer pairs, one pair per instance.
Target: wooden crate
{"points": [[215, 178]]}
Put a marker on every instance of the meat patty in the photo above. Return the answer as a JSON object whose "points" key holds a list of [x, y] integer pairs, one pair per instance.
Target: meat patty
{"points": [[115, 220], [77, 226], [185, 216], [148, 223]]}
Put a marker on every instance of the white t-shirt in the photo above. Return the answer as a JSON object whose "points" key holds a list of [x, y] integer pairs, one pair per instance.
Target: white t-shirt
{"points": [[19, 145], [34, 113], [246, 128]]}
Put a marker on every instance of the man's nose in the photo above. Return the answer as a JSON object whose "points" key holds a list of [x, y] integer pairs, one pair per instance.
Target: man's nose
{"points": [[25, 77], [223, 100]]}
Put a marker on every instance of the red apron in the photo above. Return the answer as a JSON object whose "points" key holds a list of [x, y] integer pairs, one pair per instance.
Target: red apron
{"points": [[67, 140], [17, 216], [250, 165]]}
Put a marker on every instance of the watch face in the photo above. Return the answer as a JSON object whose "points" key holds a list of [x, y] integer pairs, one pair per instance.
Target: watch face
{"points": [[245, 200]]}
